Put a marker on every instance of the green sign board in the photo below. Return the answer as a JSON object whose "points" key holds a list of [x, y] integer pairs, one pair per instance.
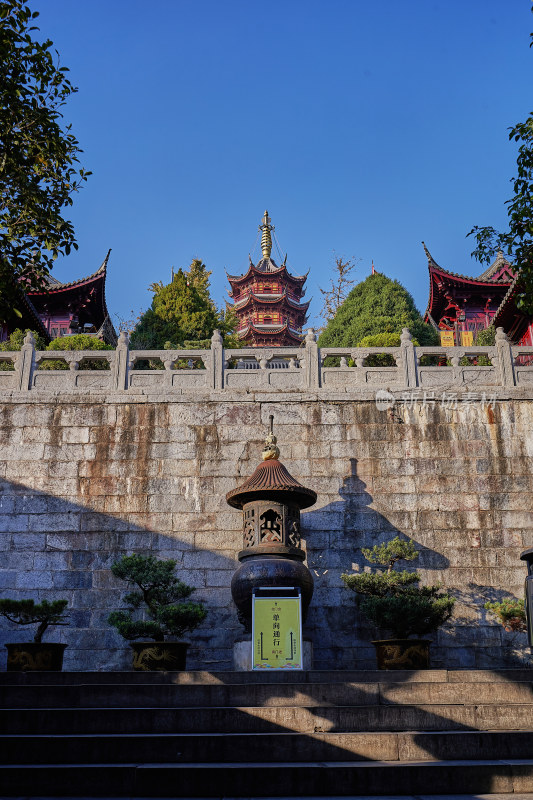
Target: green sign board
{"points": [[277, 628]]}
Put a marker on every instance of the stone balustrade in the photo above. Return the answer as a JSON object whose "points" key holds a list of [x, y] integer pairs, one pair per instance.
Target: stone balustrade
{"points": [[307, 368]]}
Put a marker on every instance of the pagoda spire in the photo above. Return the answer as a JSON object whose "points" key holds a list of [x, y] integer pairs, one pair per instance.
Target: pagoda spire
{"points": [[266, 238]]}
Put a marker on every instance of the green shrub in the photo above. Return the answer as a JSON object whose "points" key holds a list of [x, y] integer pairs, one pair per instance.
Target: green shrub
{"points": [[78, 341], [382, 340], [511, 612], [391, 600], [161, 597], [486, 337], [15, 342]]}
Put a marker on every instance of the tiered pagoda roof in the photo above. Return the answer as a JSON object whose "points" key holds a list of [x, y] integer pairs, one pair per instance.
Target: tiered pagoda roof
{"points": [[267, 299]]}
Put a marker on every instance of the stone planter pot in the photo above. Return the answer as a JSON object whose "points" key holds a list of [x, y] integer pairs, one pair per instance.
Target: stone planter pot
{"points": [[35, 656], [402, 653], [161, 656]]}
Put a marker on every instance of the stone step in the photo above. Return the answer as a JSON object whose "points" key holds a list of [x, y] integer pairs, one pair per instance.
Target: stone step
{"points": [[262, 694], [262, 748], [306, 677], [265, 719], [282, 779]]}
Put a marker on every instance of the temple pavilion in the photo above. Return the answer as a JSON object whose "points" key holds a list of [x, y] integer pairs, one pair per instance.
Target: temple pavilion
{"points": [[462, 303], [64, 308], [267, 299]]}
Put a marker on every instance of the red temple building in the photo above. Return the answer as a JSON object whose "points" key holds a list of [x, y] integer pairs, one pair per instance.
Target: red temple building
{"points": [[267, 299], [460, 303], [65, 308]]}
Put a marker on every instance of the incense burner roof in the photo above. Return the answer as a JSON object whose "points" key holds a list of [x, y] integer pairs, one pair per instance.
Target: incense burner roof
{"points": [[271, 479]]}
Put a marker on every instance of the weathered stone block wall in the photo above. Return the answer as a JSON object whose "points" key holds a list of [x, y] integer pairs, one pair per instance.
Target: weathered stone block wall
{"points": [[85, 479]]}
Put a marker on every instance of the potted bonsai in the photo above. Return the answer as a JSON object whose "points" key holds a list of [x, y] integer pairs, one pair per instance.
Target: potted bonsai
{"points": [[36, 655], [157, 609], [394, 602]]}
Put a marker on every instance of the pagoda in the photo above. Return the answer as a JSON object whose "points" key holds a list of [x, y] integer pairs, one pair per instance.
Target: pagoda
{"points": [[267, 299]]}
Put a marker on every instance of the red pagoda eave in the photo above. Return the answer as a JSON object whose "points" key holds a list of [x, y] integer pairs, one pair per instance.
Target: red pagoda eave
{"points": [[252, 270], [270, 301], [269, 330], [298, 306]]}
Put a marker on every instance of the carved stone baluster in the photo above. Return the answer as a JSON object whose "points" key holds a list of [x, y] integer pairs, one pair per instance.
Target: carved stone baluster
{"points": [[73, 365], [25, 364]]}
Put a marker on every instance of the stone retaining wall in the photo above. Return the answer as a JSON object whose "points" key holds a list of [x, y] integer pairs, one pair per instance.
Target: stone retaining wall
{"points": [[84, 478]]}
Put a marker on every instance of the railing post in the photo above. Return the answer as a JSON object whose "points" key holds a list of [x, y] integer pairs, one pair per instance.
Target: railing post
{"points": [[312, 362], [119, 370], [410, 375], [25, 364], [505, 358], [216, 378]]}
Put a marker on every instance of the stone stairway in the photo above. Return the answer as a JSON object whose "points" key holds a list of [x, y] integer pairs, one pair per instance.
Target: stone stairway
{"points": [[228, 734]]}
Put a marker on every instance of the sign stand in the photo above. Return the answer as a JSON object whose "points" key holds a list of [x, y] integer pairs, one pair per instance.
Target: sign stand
{"points": [[277, 628]]}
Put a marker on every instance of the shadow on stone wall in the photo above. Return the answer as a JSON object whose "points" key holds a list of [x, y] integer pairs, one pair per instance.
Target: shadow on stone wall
{"points": [[507, 648], [336, 534], [53, 548]]}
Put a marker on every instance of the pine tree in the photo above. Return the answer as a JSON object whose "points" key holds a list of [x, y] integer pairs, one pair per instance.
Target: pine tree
{"points": [[376, 305], [182, 313]]}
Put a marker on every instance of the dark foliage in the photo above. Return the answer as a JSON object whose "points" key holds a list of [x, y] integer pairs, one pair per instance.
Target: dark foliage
{"points": [[39, 168], [28, 612], [161, 597], [391, 600]]}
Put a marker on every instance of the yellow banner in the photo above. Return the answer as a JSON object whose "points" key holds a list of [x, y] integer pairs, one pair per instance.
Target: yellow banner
{"points": [[447, 339], [277, 633], [467, 338]]}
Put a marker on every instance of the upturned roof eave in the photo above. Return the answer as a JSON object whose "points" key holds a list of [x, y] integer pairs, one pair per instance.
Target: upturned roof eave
{"points": [[57, 286], [252, 270], [437, 297], [281, 299], [503, 309]]}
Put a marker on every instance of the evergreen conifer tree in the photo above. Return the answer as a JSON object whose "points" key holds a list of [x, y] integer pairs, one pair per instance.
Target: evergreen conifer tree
{"points": [[377, 305], [182, 313]]}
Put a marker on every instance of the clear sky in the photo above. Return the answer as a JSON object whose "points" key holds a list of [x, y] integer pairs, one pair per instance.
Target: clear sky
{"points": [[363, 126]]}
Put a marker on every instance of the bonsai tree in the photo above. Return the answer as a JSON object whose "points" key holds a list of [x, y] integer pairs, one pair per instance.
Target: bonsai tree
{"points": [[28, 612], [392, 599], [160, 596], [511, 613]]}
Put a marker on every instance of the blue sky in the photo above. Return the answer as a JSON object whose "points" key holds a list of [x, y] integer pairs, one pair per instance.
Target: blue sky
{"points": [[363, 127]]}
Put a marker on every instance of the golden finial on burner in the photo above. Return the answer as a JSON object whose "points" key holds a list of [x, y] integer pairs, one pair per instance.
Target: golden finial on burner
{"points": [[271, 450]]}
